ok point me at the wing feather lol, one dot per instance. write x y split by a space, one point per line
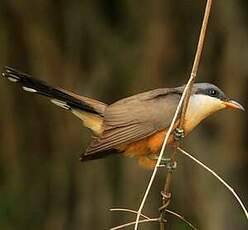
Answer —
113 138
132 119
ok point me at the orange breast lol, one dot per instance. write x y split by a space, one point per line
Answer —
148 145
147 148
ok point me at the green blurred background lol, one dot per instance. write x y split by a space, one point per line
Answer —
107 50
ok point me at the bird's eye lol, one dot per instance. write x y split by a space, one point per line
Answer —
212 92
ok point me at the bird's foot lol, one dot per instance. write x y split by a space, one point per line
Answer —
165 162
168 163
179 134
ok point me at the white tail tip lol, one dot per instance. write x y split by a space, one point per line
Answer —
61 104
29 89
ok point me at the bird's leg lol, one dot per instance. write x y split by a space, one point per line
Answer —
169 164
178 134
155 158
165 162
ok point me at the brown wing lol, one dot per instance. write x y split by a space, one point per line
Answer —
135 118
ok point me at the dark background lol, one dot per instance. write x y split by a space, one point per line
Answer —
107 50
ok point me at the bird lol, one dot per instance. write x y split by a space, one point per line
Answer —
134 126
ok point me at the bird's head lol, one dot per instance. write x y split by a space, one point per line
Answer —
205 100
213 97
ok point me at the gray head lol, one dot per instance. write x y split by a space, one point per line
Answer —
205 100
213 92
210 90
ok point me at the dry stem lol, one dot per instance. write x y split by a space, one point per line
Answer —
160 157
183 101
219 178
148 218
168 179
134 222
129 210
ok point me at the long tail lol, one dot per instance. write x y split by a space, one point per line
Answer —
89 110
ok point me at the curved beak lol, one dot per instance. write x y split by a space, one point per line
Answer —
231 104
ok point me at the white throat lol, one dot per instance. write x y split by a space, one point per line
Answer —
200 106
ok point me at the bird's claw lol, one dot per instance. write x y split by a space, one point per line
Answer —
171 165
167 162
179 134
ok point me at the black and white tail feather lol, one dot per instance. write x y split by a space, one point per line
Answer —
60 97
90 111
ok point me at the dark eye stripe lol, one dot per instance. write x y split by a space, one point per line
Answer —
210 90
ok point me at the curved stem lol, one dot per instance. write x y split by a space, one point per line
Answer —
219 178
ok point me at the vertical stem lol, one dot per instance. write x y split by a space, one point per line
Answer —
186 94
168 179
197 59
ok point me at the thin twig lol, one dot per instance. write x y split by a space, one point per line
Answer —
133 223
186 92
219 178
129 210
197 59
194 71
160 157
181 218
148 218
